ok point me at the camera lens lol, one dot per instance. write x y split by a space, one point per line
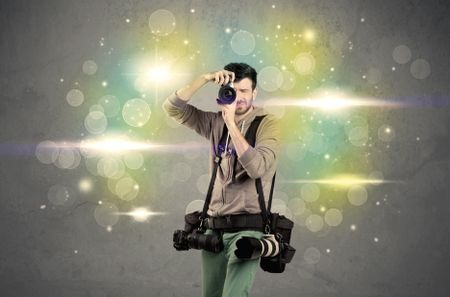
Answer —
227 95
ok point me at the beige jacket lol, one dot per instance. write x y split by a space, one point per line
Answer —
234 188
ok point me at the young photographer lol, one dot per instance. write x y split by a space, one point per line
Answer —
234 210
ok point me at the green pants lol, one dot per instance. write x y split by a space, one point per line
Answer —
223 274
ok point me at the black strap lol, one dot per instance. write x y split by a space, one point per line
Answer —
262 204
217 160
250 136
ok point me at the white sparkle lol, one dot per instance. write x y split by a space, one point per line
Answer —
375 239
362 20
353 227
192 10
127 20
75 251
104 83
43 206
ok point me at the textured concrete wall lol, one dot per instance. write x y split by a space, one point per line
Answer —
401 244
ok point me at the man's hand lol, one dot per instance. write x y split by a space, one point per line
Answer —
228 112
221 77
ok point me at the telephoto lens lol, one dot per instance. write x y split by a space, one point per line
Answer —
249 248
208 242
227 94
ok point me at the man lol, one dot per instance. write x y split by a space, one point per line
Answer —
234 193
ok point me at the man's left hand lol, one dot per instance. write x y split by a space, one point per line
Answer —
228 112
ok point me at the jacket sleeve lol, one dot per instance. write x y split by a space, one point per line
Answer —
182 112
257 160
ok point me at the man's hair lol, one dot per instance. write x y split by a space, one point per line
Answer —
241 71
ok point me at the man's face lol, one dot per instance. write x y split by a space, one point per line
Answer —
244 95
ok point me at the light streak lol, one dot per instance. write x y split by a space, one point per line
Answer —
342 181
119 146
140 214
332 102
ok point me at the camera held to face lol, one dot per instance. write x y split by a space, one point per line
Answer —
227 94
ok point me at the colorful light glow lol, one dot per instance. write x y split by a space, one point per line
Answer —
344 181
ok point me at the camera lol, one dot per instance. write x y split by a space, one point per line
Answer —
183 241
249 248
227 94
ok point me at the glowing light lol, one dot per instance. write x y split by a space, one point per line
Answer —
141 214
162 22
159 73
353 227
85 185
228 30
309 35
119 145
104 83
344 181
376 239
332 102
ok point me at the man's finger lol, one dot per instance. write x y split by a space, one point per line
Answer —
221 78
216 78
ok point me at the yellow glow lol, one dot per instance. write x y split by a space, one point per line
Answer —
158 73
141 214
309 35
85 185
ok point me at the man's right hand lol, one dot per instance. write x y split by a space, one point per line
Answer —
221 77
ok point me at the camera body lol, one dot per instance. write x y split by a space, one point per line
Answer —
197 239
227 94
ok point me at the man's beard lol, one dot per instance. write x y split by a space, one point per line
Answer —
241 112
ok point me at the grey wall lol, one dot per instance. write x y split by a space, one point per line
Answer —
62 251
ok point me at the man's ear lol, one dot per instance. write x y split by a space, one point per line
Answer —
255 92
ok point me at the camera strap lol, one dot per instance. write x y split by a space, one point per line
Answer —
250 136
217 160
